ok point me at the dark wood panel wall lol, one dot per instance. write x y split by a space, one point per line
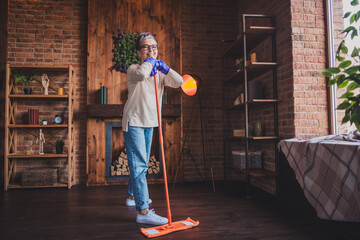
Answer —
105 18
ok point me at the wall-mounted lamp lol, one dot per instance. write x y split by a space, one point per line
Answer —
189 85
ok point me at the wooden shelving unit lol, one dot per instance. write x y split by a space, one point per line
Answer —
252 37
13 129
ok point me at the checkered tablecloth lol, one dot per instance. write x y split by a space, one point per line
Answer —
328 170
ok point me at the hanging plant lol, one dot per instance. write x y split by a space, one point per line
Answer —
124 51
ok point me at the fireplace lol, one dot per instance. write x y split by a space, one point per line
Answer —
116 158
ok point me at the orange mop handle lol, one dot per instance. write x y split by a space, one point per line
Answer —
162 152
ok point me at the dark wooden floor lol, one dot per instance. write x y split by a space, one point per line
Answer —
100 213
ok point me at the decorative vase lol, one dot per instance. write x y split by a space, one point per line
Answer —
258 129
253 57
60 91
27 90
59 149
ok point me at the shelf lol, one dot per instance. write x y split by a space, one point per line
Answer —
263 30
265 65
35 186
254 34
253 102
264 138
256 172
38 97
254 69
37 126
45 67
253 138
50 155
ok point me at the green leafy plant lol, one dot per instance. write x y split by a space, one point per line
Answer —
26 79
124 51
347 73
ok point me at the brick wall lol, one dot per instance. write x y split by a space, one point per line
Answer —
50 32
309 54
204 24
3 35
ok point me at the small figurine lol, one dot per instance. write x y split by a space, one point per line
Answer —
45 82
41 140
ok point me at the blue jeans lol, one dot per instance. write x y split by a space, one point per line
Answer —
138 145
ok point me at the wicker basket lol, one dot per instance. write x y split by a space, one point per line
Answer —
39 176
254 163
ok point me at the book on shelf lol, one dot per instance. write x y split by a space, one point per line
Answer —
33 116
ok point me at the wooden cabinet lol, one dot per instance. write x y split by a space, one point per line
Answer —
240 71
18 130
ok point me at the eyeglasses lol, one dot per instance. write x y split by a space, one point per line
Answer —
149 47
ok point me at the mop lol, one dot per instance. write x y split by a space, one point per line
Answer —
170 226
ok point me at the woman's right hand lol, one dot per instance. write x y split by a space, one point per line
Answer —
154 63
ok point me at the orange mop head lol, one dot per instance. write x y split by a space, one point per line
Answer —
171 226
167 228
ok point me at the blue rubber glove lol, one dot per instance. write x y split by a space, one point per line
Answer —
162 67
154 63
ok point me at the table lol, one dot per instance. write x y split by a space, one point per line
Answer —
327 169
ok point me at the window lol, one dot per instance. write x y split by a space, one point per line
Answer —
338 8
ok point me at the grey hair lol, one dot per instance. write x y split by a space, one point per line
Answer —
143 36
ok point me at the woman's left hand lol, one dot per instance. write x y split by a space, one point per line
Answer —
162 67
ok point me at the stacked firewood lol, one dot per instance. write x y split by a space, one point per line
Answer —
120 166
153 166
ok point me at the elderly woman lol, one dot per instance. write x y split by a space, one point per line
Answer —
139 119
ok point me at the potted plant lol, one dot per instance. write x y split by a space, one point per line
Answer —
26 79
347 73
44 122
59 146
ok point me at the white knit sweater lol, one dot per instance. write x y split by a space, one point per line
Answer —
140 107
